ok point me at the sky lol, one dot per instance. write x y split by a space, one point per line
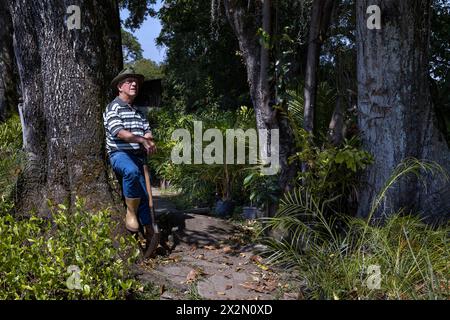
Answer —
147 34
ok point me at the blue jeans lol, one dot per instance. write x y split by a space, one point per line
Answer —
131 169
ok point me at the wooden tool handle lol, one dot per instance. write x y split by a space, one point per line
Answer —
149 187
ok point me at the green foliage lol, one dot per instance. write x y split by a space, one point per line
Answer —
148 68
330 170
131 47
11 134
139 11
264 190
37 254
202 55
11 156
332 253
439 64
410 167
413 258
265 39
325 103
199 182
149 291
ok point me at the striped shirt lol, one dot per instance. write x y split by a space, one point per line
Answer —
120 115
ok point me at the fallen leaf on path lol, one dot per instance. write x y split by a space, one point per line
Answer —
257 259
252 286
228 287
262 266
270 285
176 258
261 286
259 262
227 249
220 293
192 276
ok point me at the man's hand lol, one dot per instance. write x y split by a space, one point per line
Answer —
148 135
149 145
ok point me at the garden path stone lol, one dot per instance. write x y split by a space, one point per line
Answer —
209 262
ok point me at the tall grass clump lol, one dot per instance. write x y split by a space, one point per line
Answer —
342 257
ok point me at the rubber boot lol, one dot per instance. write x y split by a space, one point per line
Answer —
131 219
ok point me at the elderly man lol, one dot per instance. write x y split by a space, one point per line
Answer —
128 140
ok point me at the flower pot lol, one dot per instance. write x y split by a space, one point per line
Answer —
250 213
224 208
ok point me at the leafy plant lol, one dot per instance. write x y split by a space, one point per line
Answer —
332 253
71 256
199 182
331 170
11 156
264 190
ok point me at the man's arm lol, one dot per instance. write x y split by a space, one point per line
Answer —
127 136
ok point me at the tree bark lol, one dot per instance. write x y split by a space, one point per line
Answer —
336 127
65 77
320 21
8 90
395 113
245 24
245 20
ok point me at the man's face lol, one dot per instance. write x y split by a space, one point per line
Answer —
129 86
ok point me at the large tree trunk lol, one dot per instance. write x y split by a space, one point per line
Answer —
245 23
65 76
8 90
395 113
245 18
320 21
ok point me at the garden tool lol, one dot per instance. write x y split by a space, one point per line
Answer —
152 231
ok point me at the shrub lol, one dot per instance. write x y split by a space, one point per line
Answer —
11 156
199 182
71 256
333 253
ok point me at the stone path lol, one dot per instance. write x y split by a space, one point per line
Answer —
211 260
